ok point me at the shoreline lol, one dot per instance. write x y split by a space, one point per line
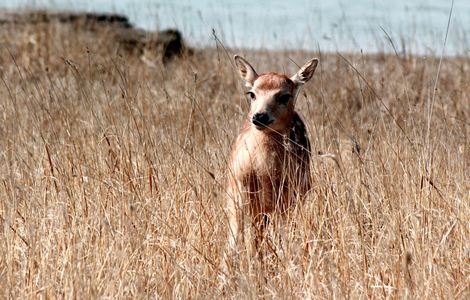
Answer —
85 20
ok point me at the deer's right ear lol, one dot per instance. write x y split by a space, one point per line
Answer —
246 71
305 73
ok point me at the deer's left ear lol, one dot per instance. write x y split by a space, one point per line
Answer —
306 72
245 70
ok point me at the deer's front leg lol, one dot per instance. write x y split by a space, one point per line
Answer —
235 225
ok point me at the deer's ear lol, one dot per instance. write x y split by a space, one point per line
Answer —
245 70
306 72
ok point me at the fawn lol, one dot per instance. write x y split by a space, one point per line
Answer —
270 159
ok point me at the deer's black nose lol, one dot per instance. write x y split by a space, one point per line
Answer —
261 119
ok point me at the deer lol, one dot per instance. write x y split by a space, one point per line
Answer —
269 165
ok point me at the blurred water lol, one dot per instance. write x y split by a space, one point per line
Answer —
416 25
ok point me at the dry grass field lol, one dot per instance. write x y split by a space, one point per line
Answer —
113 171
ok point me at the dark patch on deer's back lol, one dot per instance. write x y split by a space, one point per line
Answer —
298 136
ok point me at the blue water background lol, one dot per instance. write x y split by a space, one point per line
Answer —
416 26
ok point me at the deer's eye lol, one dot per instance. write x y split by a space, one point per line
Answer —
251 95
283 99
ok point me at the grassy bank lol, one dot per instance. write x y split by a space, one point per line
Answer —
113 169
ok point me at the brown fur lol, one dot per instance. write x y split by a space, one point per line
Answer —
274 81
269 168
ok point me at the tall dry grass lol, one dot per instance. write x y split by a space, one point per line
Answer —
112 174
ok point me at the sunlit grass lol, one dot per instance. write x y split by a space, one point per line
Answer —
113 174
